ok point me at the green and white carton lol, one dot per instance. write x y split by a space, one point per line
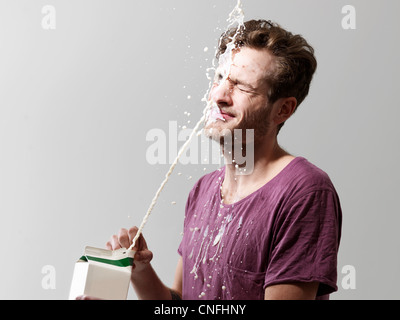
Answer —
103 274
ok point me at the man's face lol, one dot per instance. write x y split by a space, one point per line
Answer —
241 96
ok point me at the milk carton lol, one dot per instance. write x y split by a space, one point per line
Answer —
103 274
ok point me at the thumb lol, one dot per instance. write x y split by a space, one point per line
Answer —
144 256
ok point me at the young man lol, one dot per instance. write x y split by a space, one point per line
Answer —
271 234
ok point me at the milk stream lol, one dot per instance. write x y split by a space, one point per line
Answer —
210 112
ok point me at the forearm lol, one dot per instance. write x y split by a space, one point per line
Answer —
292 291
148 285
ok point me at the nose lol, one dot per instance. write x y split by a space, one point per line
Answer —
221 94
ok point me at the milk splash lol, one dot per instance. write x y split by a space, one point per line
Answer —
225 61
210 112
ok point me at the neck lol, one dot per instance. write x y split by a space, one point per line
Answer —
269 160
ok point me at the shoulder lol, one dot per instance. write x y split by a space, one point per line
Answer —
303 175
309 198
299 179
310 192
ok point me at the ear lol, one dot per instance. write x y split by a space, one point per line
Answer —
285 107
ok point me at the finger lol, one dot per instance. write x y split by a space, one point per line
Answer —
140 244
85 297
115 243
143 243
108 245
123 238
132 234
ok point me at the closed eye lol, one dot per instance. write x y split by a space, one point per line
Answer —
242 86
244 89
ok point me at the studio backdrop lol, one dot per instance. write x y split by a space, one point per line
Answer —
96 97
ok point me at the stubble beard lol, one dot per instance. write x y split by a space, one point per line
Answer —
257 121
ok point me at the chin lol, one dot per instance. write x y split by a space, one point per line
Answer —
219 129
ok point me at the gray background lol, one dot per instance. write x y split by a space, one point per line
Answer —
76 104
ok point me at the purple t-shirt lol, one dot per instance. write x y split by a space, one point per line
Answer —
286 231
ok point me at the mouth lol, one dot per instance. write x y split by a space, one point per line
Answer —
226 115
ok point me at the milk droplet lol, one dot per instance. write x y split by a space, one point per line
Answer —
223 287
173 202
205 49
189 97
202 294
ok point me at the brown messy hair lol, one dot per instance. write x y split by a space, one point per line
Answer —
294 58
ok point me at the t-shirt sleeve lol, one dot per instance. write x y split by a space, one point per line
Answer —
306 241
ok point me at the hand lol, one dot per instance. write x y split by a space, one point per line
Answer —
123 239
85 297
